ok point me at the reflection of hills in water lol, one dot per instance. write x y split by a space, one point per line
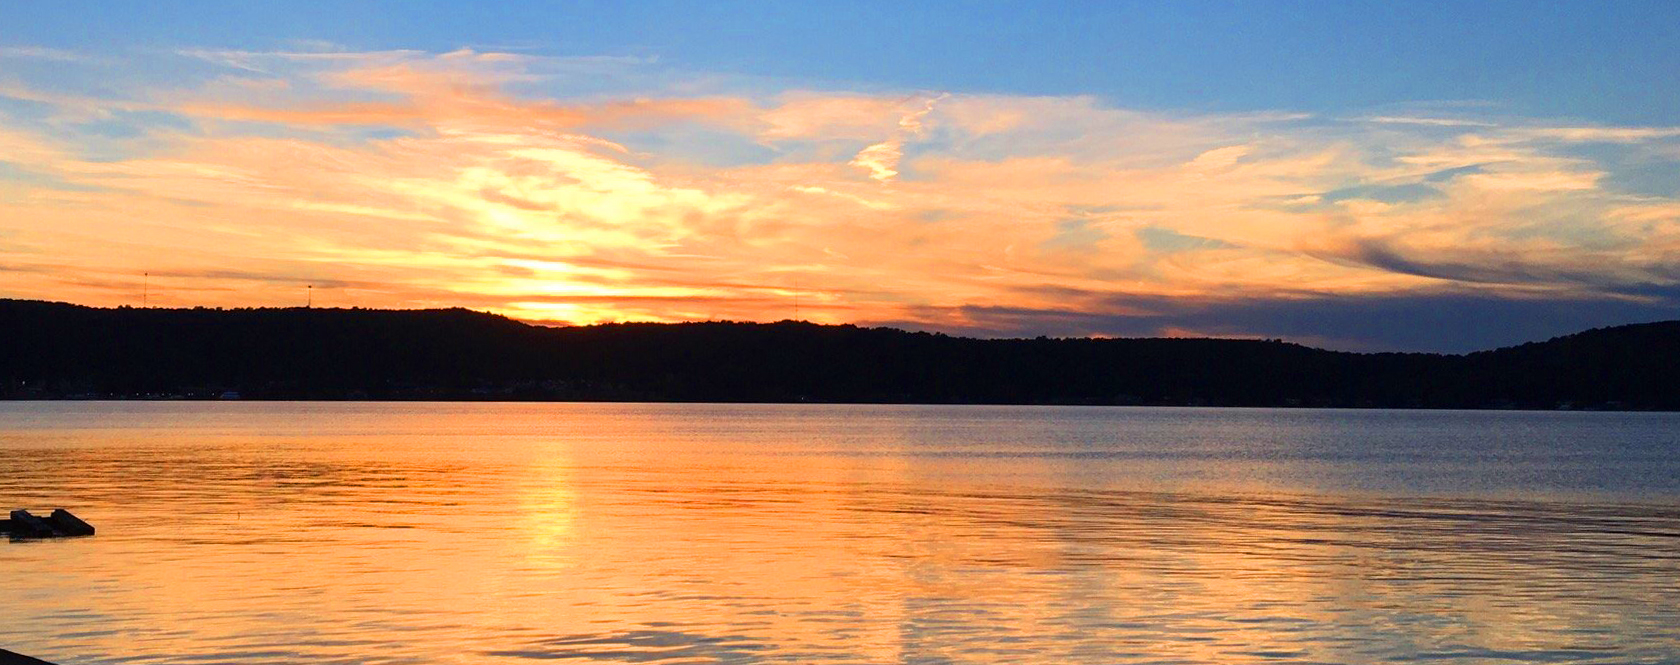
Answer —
57 350
323 532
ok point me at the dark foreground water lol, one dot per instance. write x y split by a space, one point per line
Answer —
605 533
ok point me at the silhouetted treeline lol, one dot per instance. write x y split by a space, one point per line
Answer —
55 350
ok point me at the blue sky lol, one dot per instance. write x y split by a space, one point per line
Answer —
1416 175
1614 62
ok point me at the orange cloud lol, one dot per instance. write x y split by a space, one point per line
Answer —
564 210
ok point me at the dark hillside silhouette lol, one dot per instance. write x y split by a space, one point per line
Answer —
56 350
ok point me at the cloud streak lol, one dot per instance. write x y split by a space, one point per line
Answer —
407 179
880 160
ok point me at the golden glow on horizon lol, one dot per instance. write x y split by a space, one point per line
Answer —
928 209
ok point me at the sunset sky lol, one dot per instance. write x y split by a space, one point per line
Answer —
1357 175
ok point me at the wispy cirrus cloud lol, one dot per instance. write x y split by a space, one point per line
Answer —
1427 121
880 160
47 54
402 178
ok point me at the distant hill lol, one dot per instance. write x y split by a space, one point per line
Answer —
57 350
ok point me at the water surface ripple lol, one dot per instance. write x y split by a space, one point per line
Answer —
618 533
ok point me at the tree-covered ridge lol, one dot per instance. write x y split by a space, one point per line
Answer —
56 350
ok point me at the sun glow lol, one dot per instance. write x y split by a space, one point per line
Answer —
954 211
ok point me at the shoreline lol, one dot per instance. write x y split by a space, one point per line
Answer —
488 400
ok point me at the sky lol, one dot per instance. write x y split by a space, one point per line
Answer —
1355 175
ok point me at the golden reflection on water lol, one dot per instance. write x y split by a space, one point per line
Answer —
358 533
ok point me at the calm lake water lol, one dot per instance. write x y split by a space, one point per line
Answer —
618 533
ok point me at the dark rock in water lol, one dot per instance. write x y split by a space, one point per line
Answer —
25 525
68 524
9 658
57 525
